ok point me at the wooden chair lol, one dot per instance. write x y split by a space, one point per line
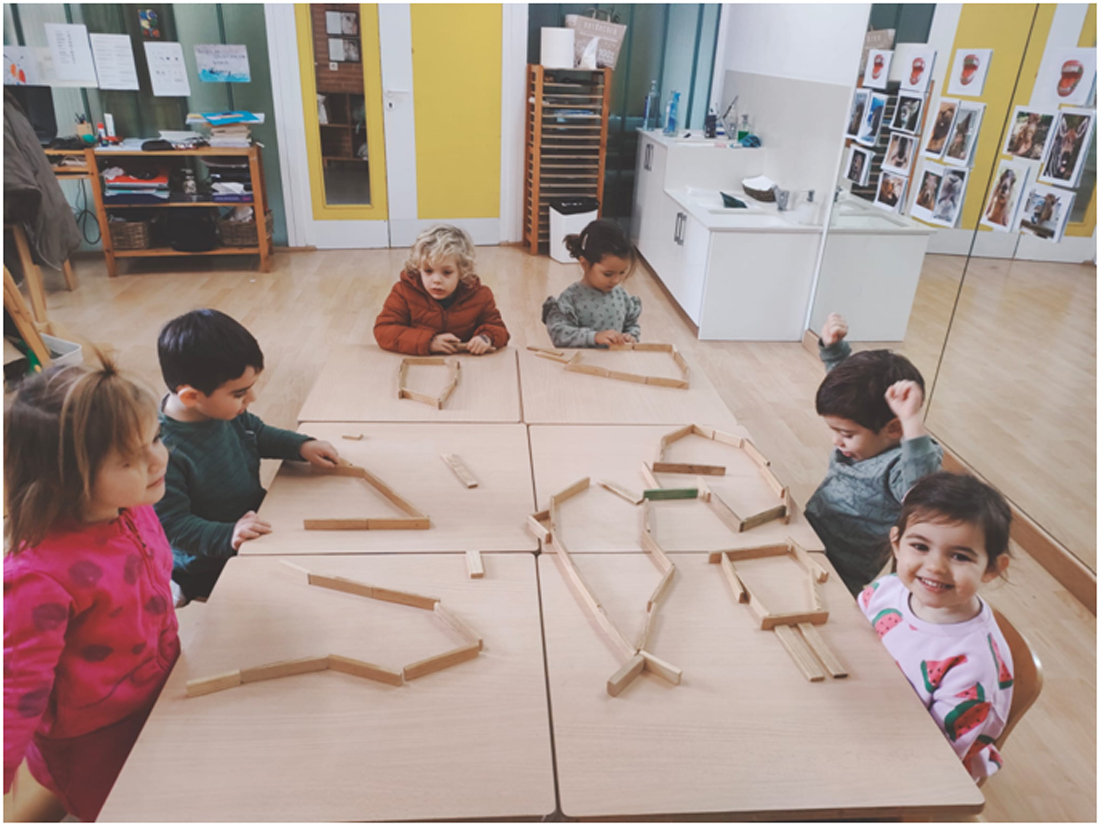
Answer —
1027 676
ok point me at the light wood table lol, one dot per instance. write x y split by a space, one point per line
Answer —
744 734
490 517
600 521
471 741
359 384
553 396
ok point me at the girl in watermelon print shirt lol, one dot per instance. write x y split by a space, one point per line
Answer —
951 538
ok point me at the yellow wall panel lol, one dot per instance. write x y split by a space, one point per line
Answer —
456 93
1087 227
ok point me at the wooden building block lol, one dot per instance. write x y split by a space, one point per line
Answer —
670 493
430 665
340 470
705 492
551 357
336 524
790 506
474 565
457 625
297 568
545 350
659 591
576 366
762 518
674 436
800 653
647 474
728 439
536 525
460 470
399 523
758 608
339 583
703 430
773 481
208 685
423 398
618 375
815 568
356 437
625 675
758 457
821 648
661 668
724 512
643 640
734 581
571 491
286 668
661 381
621 492
368 671
696 470
770 621
405 598
737 554
596 610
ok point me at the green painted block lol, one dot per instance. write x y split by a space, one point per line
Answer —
671 493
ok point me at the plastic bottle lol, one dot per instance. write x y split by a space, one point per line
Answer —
671 115
710 123
652 102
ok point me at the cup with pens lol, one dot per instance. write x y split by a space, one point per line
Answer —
84 129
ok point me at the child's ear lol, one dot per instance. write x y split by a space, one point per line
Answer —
188 395
895 537
996 569
893 429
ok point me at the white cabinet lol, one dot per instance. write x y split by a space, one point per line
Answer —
649 190
681 260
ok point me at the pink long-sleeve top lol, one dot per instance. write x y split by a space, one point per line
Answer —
90 636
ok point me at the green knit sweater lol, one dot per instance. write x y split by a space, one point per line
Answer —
213 480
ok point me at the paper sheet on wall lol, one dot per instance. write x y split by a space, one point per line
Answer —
114 61
21 67
167 69
72 55
222 63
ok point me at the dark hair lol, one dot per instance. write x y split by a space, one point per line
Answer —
601 237
856 388
59 428
950 497
205 349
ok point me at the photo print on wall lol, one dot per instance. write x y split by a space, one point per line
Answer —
941 128
968 72
907 113
1044 212
859 165
1004 195
891 191
872 119
964 134
877 71
917 64
1068 147
855 116
1066 76
1028 132
927 190
949 199
899 153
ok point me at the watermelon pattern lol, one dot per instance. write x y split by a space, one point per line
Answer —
1004 676
868 592
975 692
965 717
885 621
934 671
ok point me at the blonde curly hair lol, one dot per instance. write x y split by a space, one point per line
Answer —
439 242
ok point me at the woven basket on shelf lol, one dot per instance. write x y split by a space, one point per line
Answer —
131 235
243 233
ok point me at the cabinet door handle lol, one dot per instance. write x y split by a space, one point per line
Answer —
676 230
681 225
648 163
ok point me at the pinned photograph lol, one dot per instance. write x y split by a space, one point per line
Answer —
1004 195
968 72
877 71
1044 212
1028 132
899 153
1066 77
949 199
927 191
1068 147
917 69
859 165
855 116
891 191
907 113
941 128
964 134
872 119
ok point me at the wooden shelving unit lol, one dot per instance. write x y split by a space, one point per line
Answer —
265 247
566 143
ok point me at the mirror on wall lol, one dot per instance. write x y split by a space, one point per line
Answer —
962 235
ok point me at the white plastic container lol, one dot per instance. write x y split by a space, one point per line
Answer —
562 225
557 48
63 353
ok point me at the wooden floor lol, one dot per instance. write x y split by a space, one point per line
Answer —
315 301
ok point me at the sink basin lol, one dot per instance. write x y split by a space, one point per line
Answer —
749 219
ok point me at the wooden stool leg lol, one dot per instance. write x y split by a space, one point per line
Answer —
70 275
31 274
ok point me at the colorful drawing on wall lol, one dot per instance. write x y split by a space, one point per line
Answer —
891 191
1066 76
907 113
1005 192
968 72
941 127
917 70
218 63
20 66
150 24
877 71
949 198
1044 212
927 190
859 165
872 119
1068 147
964 134
899 153
1028 133
855 116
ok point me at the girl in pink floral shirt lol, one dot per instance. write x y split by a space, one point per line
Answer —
90 631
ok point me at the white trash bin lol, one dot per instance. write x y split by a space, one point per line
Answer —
568 216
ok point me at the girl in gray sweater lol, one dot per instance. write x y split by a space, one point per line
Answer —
596 311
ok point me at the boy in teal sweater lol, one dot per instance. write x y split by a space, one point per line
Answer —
872 402
212 487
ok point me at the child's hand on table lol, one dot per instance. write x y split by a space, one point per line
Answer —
445 343
606 337
479 345
629 339
319 453
834 330
249 526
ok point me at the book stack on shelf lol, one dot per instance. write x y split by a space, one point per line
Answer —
135 187
228 129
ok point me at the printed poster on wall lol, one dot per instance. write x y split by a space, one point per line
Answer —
907 113
218 63
114 61
1068 147
941 128
950 197
1066 76
859 165
21 67
964 134
915 67
872 119
1005 193
1045 211
855 116
1028 132
167 69
968 72
877 72
899 153
72 54
927 189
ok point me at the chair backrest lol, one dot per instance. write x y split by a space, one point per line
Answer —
1027 675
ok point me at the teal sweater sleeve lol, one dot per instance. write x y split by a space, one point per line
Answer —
920 457
185 530
274 442
834 354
